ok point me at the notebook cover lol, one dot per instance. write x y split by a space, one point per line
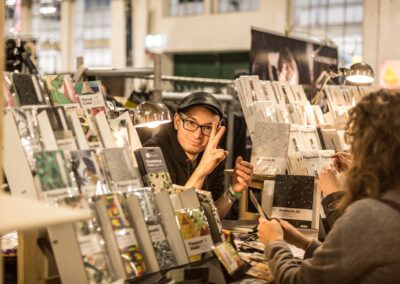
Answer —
124 235
89 129
26 90
293 199
195 232
25 120
153 169
53 174
90 96
120 169
162 249
62 130
60 89
91 244
87 171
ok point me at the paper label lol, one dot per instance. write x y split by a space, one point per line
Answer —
226 257
91 101
292 213
198 245
66 145
126 185
156 233
56 193
125 238
89 244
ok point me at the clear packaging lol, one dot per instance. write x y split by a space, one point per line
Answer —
127 260
62 131
91 97
195 232
91 243
10 98
60 89
88 175
119 169
55 178
26 122
161 246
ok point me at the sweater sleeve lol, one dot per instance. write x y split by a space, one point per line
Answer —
329 204
348 253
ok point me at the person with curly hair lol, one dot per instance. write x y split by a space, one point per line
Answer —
364 243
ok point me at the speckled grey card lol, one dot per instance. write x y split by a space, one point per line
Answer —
119 164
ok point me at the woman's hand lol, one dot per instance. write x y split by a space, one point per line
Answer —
294 236
269 231
329 181
341 161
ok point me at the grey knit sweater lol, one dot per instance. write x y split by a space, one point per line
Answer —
362 247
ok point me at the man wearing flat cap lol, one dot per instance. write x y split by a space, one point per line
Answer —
190 148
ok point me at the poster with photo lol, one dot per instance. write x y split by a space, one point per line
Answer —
276 57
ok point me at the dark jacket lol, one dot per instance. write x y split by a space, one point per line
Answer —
179 166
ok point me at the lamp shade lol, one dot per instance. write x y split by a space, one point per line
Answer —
151 114
360 73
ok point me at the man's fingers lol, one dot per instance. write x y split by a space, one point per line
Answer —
241 174
218 137
242 182
246 164
213 132
244 169
238 160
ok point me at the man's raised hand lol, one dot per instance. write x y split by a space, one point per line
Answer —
213 155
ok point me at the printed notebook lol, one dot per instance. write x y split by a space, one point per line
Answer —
161 247
123 249
59 124
54 177
25 120
87 171
153 169
195 232
121 172
60 89
296 201
91 244
27 88
90 96
270 148
212 215
89 129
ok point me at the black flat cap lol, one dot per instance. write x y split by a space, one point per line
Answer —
203 99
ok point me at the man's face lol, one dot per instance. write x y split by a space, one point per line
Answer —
193 142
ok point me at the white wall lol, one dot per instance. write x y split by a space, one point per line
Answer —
216 32
381 32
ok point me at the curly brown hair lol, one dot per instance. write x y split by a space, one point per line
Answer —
373 131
